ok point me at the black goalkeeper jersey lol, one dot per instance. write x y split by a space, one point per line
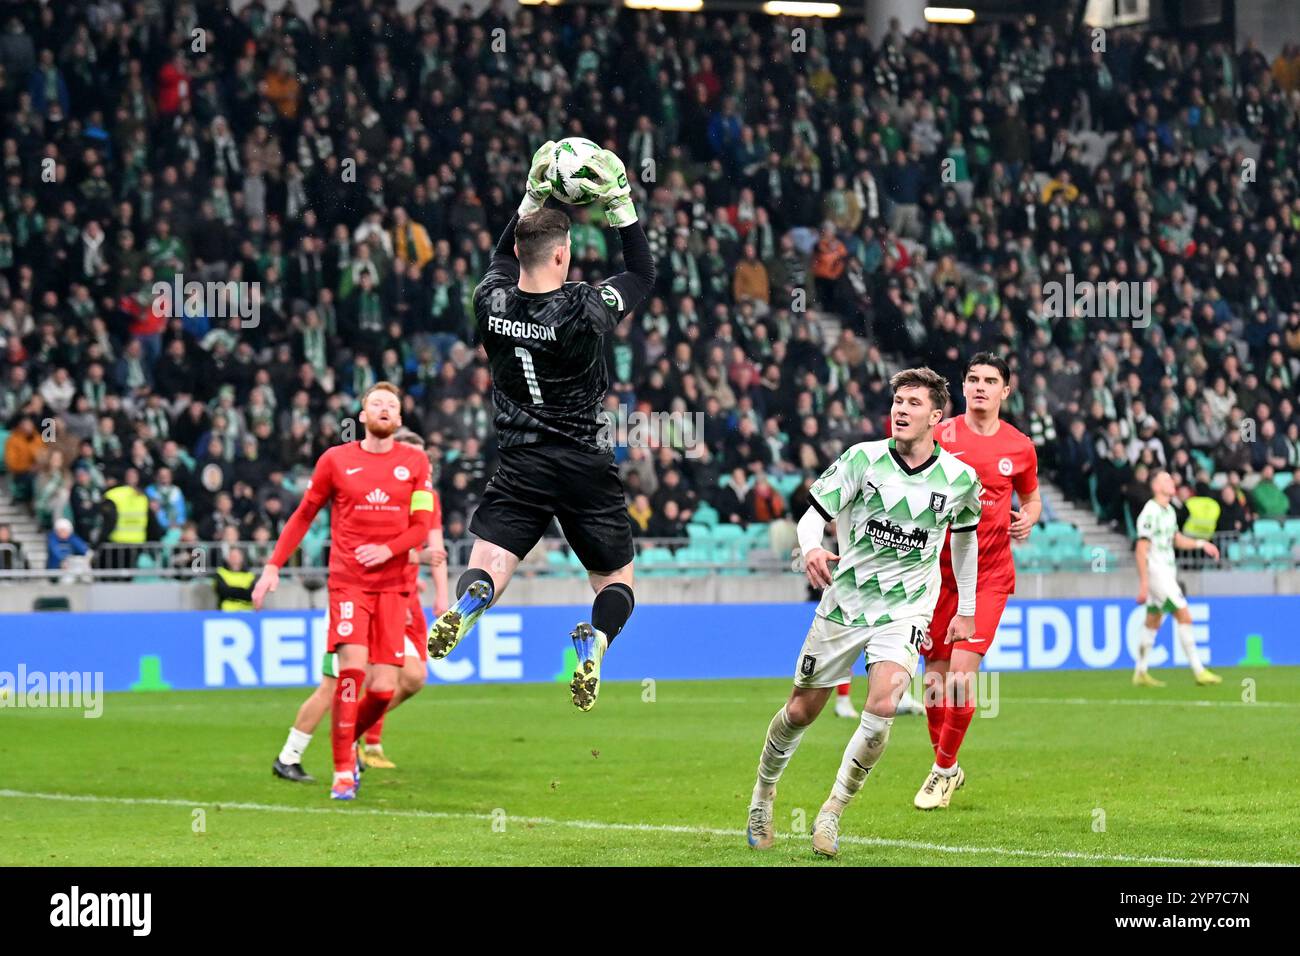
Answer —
546 349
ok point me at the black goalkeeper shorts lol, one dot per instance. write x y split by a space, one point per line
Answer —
535 483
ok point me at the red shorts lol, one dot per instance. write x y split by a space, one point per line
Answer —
988 612
376 619
417 629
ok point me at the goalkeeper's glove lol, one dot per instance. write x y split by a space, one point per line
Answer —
539 180
612 190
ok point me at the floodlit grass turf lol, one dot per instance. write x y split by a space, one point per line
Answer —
1172 779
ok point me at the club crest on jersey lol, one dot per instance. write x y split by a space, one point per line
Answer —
937 501
1004 466
401 473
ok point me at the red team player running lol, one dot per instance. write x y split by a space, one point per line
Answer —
381 502
1005 460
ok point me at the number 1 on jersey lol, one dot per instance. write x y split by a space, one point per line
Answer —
530 374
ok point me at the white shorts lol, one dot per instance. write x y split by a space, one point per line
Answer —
1164 594
830 649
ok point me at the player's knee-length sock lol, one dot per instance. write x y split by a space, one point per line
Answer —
1184 632
842 690
343 718
375 732
782 739
294 746
371 709
1145 643
936 714
956 721
864 749
611 609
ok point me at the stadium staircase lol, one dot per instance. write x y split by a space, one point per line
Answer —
25 530
1057 508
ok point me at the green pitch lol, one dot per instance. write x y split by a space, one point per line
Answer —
1076 768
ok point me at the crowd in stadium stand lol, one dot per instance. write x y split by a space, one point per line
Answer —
825 208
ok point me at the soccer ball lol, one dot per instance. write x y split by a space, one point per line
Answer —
571 174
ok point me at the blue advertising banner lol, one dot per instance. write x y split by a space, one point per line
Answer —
198 649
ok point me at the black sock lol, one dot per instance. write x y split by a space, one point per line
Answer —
611 609
469 577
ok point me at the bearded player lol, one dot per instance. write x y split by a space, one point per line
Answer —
288 765
381 502
1006 461
545 341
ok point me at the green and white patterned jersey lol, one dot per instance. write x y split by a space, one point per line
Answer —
891 521
1159 525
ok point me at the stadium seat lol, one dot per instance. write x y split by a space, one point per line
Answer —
1267 529
4 437
787 484
1291 527
1283 480
700 555
705 514
700 534
656 562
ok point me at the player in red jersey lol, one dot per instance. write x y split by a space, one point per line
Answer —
288 765
1005 460
381 503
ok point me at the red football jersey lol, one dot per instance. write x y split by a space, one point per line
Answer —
371 498
1004 461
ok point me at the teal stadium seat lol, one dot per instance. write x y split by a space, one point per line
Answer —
656 562
705 514
700 534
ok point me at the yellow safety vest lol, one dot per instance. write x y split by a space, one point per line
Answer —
236 579
132 515
1202 517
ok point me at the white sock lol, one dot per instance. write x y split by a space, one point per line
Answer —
782 739
1144 648
864 749
294 746
945 771
1184 632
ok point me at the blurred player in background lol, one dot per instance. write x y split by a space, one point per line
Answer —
544 339
1006 461
381 505
1158 587
288 765
891 502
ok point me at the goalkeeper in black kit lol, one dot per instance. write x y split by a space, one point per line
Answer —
545 342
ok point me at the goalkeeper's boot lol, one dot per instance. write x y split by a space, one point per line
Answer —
291 771
1207 677
590 645
826 834
844 707
937 790
372 756
343 790
1143 679
760 833
910 705
459 619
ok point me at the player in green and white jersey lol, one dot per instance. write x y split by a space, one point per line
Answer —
1158 588
891 502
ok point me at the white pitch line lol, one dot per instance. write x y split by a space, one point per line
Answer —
1070 855
1142 702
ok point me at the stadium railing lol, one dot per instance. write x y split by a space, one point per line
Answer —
1271 545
